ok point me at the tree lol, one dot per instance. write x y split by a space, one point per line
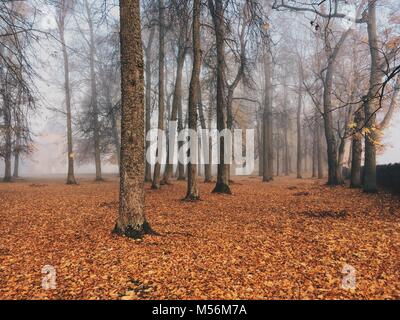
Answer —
370 104
161 93
62 10
131 220
267 130
93 90
181 10
217 12
194 98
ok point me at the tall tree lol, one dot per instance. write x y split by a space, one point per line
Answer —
370 105
93 89
267 130
161 93
217 12
62 10
194 98
131 220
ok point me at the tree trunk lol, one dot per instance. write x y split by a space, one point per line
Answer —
67 88
268 154
217 13
176 106
8 136
194 98
315 148
94 98
131 221
357 151
370 105
161 93
320 150
148 53
208 167
206 152
298 118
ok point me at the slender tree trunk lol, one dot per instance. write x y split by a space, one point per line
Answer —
17 146
320 153
315 148
208 167
148 53
161 92
194 98
131 221
370 105
176 106
8 137
116 138
357 151
94 98
299 133
286 143
67 88
260 143
268 154
278 155
16 160
217 13
206 152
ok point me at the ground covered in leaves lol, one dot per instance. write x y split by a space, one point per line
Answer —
289 239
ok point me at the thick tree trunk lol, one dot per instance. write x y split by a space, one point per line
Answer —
161 93
131 221
194 98
370 105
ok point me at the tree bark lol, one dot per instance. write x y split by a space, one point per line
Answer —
61 29
161 92
355 181
217 13
176 105
94 97
131 220
371 103
268 154
298 120
148 53
194 98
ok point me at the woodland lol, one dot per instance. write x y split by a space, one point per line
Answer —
199 149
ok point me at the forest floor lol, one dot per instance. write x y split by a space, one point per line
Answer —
289 239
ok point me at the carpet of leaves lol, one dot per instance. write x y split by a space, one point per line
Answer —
285 240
